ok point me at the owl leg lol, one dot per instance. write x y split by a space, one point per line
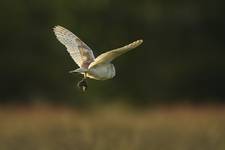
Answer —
85 75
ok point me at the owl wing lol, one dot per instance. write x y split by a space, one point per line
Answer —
111 55
77 49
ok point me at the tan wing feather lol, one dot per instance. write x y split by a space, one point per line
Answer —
77 49
111 55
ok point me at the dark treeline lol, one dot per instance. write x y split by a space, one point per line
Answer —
182 57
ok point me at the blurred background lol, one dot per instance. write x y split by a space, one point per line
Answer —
170 86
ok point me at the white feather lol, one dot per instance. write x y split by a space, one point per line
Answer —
99 68
77 49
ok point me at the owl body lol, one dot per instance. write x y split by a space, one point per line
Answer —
99 68
102 71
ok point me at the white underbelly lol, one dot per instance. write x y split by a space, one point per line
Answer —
102 72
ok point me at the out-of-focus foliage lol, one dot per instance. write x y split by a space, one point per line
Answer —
112 128
182 56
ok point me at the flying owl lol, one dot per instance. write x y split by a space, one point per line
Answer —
99 68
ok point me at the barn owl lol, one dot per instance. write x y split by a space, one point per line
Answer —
99 68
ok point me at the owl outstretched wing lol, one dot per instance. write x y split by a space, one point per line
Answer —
77 49
111 55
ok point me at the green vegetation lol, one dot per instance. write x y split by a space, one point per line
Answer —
182 56
110 128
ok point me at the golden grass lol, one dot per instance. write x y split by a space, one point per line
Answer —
112 128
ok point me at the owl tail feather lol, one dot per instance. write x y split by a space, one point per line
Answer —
79 70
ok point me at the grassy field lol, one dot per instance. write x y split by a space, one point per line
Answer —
112 128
